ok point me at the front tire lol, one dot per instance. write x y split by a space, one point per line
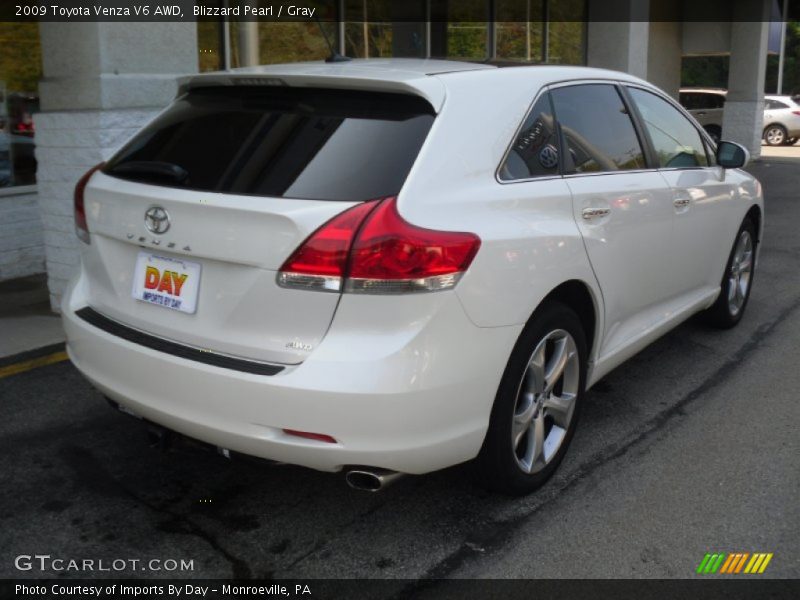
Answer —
537 404
775 135
737 281
790 141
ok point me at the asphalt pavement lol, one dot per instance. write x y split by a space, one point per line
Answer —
691 447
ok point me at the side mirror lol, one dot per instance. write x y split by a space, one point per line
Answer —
731 155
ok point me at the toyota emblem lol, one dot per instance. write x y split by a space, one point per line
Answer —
156 219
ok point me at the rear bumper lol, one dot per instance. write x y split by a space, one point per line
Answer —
411 391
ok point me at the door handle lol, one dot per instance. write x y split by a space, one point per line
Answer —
594 213
700 113
681 202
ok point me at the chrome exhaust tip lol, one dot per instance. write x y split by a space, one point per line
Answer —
371 480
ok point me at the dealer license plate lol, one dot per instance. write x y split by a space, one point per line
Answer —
168 282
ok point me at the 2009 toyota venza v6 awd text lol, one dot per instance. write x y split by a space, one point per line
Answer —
394 266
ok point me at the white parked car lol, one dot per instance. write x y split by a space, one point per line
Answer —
781 120
781 114
394 266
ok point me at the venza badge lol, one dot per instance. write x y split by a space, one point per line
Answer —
156 219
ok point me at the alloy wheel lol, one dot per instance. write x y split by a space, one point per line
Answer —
546 400
740 272
775 136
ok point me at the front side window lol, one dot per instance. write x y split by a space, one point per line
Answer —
535 150
597 128
676 141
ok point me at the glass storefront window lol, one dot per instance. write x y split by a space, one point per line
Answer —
566 39
520 30
520 41
384 29
466 40
209 54
541 31
20 71
532 31
294 41
368 40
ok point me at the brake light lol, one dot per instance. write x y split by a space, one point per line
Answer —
319 263
81 226
372 249
391 255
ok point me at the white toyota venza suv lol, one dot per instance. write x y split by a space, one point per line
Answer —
394 266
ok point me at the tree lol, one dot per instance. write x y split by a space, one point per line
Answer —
21 56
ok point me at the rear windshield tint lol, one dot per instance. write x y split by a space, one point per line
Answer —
304 143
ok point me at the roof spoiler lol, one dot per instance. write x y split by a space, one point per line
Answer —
429 88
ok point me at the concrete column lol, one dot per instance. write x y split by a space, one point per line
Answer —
249 51
743 119
665 46
102 82
617 43
664 56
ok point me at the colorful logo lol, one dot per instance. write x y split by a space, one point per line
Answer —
168 282
734 563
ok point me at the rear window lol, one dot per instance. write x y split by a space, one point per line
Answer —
317 144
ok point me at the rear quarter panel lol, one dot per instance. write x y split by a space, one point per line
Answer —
529 240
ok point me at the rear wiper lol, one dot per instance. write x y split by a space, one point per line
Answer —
151 170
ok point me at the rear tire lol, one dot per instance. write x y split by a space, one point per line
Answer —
537 405
790 141
775 135
737 281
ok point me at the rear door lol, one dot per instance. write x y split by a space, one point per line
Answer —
622 209
191 220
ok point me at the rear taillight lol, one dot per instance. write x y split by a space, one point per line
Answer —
796 112
81 226
320 262
371 249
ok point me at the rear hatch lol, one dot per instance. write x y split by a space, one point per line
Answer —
190 221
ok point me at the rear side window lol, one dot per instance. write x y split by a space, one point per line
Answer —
534 152
702 100
775 104
717 101
676 141
597 128
318 144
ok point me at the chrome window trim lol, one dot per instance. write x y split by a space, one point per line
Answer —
692 121
620 172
